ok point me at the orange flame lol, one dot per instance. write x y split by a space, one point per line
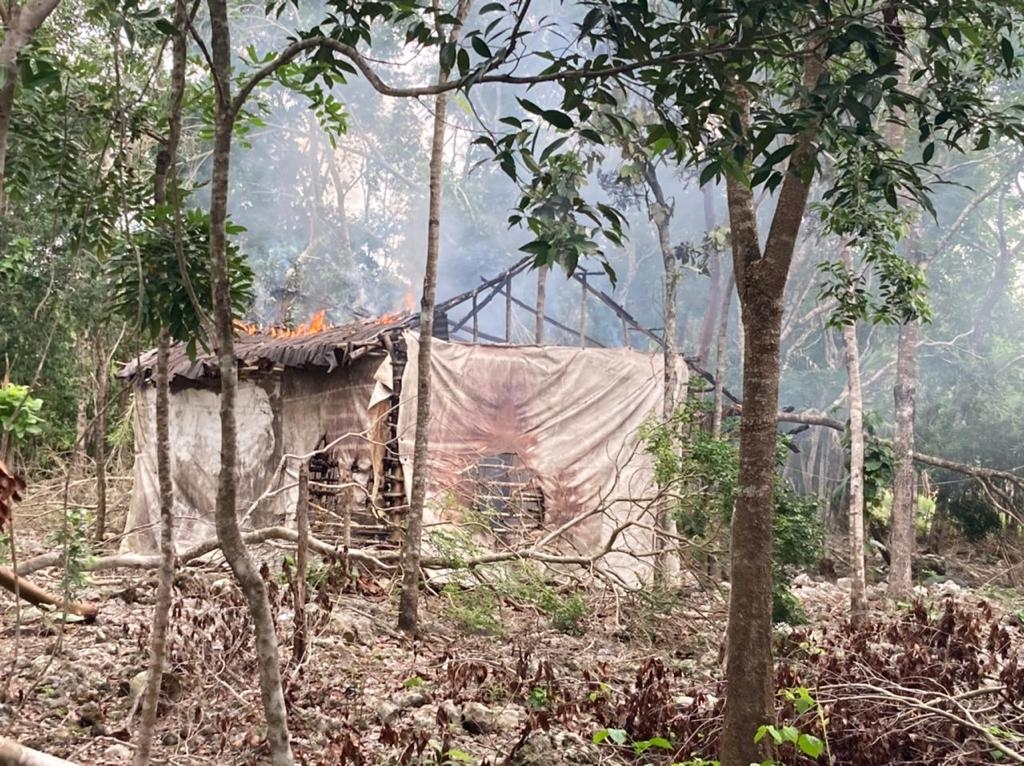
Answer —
410 300
317 323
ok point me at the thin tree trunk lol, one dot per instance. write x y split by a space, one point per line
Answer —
301 556
858 585
228 532
720 357
165 167
708 324
100 436
661 214
22 23
162 609
761 285
1001 278
75 468
408 604
901 529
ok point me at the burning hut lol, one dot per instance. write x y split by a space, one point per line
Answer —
528 438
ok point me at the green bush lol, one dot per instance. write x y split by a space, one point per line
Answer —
701 472
972 514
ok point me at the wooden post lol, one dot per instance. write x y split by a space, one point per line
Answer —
542 278
625 331
476 321
508 308
346 510
301 556
583 310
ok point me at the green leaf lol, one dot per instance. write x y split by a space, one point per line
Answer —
711 170
644 745
810 745
481 47
560 120
447 56
165 27
1006 49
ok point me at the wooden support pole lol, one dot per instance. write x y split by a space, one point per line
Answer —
583 310
625 333
551 321
476 321
301 562
542 278
508 308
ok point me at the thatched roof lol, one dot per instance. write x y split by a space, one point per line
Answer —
326 349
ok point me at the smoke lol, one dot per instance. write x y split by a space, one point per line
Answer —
342 226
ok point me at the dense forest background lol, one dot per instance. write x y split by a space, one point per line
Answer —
335 219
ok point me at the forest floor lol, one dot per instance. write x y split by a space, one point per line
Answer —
493 680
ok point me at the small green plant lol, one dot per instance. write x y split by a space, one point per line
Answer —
621 738
74 538
476 609
807 744
701 473
442 754
19 413
567 613
538 698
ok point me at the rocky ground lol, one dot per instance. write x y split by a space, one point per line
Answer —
488 682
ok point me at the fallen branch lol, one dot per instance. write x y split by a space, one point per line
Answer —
385 560
14 754
35 595
978 472
152 560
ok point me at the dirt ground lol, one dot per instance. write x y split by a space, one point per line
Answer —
487 682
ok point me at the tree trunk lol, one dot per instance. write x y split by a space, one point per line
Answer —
408 604
99 435
299 636
78 451
228 532
715 267
718 397
165 168
858 585
901 530
1001 278
162 609
661 215
761 285
22 23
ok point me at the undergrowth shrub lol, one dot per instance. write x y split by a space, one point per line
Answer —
478 607
700 473
969 510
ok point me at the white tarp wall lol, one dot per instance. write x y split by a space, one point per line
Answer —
277 415
195 461
572 417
